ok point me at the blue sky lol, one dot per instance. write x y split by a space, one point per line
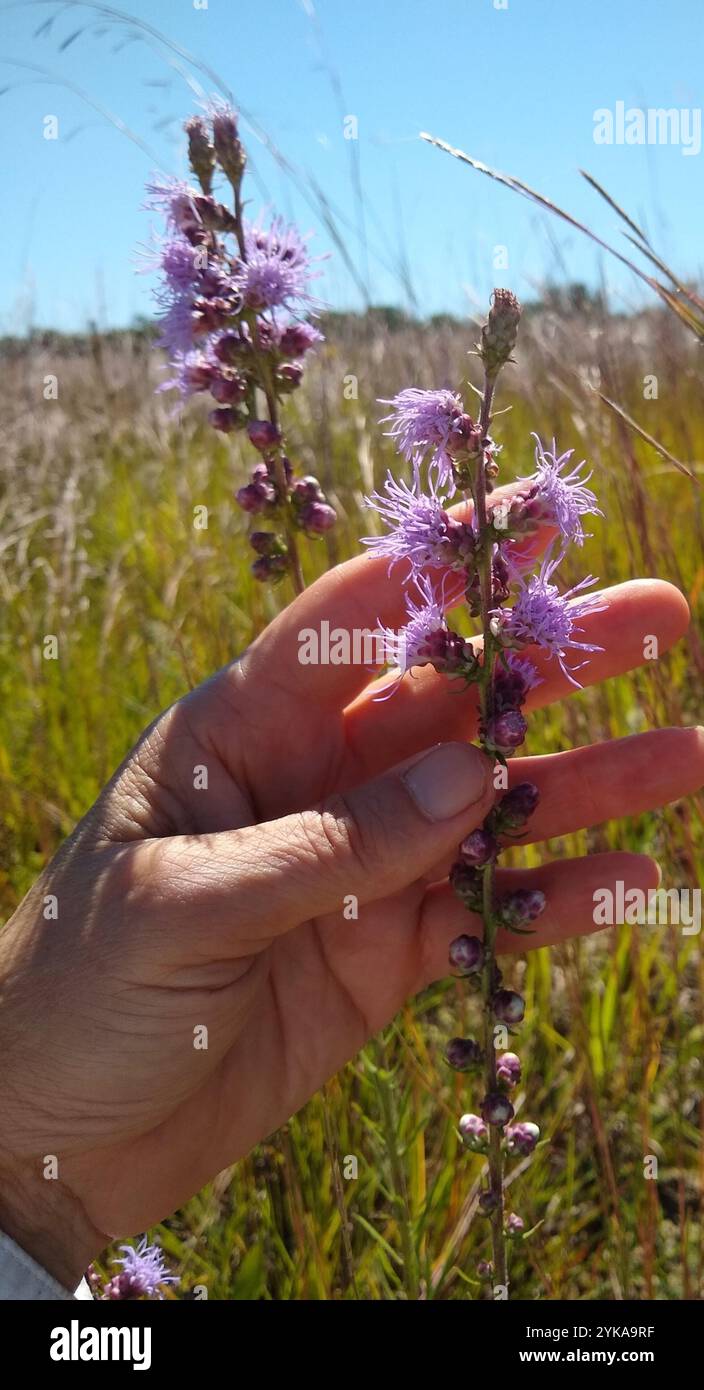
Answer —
517 87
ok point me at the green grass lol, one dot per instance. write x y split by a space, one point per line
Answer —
98 547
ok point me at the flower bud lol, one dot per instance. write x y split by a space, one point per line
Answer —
516 806
298 338
466 954
231 349
463 1053
508 1006
508 1069
198 375
522 1138
515 1225
497 1109
263 435
228 389
474 1133
515 910
307 489
264 542
226 419
485 1269
488 1202
201 155
506 732
467 883
255 497
317 517
228 146
500 331
288 376
270 567
478 848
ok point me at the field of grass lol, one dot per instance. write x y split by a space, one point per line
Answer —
98 547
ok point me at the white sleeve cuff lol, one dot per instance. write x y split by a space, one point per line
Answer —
22 1278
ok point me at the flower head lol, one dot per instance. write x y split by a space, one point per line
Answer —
412 645
143 1272
421 425
565 496
419 527
544 617
276 270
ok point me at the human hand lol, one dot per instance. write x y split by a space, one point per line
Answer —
180 907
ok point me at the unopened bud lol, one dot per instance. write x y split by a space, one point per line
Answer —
500 331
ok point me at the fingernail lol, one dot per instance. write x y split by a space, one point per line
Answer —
448 779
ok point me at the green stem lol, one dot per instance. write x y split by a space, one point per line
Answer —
486 688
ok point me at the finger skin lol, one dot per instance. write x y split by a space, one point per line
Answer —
427 705
604 781
569 886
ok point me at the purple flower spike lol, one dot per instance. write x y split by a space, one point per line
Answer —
463 1053
497 1109
466 954
509 1007
143 1273
474 1133
416 643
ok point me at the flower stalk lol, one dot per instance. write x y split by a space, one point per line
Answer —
489 551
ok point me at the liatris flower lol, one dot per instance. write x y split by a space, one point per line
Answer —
234 296
541 616
421 425
275 271
565 497
516 609
420 530
143 1273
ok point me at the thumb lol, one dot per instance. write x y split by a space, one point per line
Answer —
370 842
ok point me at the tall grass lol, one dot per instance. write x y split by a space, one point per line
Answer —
98 547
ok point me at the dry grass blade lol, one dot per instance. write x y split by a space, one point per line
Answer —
648 438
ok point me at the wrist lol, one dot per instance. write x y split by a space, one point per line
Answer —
46 1220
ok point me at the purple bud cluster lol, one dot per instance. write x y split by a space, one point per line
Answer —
235 304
